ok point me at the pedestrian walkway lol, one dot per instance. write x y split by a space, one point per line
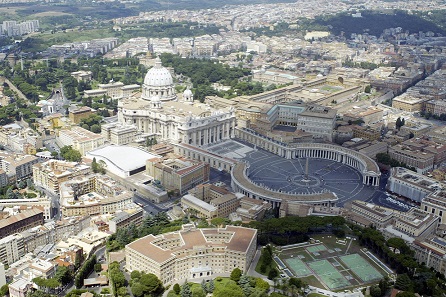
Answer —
357 293
252 268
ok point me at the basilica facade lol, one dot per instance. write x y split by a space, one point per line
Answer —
171 118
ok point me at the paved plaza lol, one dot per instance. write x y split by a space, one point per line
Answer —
290 175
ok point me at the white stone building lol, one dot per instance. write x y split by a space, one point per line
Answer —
159 112
192 253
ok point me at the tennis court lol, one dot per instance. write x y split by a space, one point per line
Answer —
329 275
298 267
363 269
316 248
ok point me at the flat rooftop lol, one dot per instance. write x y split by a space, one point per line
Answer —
124 157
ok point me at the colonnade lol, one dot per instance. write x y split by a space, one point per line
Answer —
242 184
206 135
364 164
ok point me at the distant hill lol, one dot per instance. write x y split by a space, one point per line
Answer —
374 23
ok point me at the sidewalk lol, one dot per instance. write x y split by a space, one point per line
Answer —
252 268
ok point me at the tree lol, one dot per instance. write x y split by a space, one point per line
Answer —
185 290
375 291
135 274
4 290
122 291
95 128
198 292
211 286
236 274
10 193
97 267
368 89
262 285
384 285
63 275
219 222
403 282
398 123
94 166
177 289
70 154
273 273
22 184
151 283
137 289
230 289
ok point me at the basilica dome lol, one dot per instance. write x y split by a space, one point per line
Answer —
158 82
158 76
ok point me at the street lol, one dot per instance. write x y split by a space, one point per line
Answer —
381 197
149 207
55 206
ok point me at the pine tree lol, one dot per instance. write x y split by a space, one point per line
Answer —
398 123
185 290
204 286
211 286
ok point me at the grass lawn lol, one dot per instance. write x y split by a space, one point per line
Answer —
72 36
316 295
312 281
218 282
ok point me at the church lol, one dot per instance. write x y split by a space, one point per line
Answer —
159 112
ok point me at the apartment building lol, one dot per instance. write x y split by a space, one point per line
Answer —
368 133
198 207
416 222
252 209
432 252
178 173
17 166
408 103
119 134
125 218
80 139
11 249
78 114
20 288
208 192
422 161
43 203
226 204
52 173
20 222
410 184
115 90
435 203
368 214
92 195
